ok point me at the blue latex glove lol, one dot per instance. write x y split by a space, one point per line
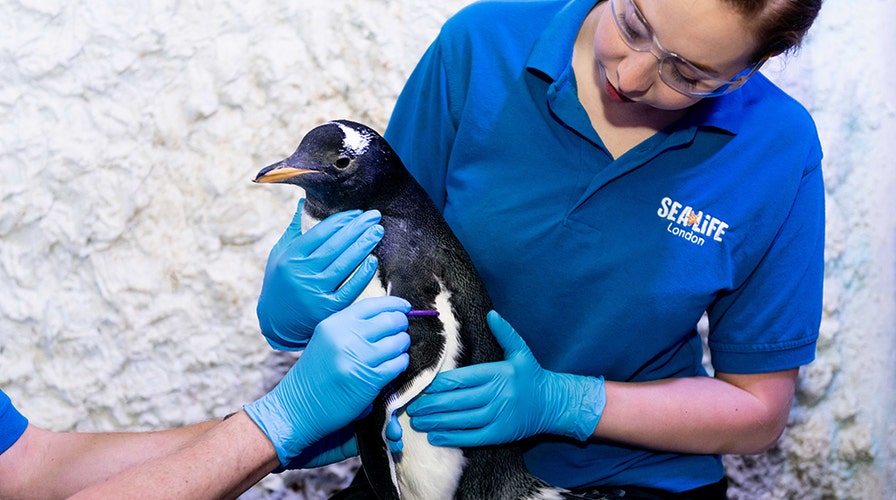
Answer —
342 445
305 277
352 355
505 401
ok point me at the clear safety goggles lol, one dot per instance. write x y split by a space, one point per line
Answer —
675 71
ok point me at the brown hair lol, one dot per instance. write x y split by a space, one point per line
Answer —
779 25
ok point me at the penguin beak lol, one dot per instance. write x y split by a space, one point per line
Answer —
279 172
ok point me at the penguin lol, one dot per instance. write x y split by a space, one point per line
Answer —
345 165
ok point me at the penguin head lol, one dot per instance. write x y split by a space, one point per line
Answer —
341 164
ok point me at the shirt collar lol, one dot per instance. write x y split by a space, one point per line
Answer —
552 52
724 112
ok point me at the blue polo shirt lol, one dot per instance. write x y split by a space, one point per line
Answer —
12 423
605 266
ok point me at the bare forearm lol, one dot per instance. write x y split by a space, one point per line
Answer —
76 460
699 414
221 463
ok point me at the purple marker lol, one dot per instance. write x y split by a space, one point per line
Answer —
419 313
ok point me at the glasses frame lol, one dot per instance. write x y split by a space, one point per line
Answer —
663 57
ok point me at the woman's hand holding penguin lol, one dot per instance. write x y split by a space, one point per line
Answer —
505 401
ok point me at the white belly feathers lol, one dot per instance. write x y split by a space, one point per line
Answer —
424 471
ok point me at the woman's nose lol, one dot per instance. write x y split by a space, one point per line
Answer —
637 72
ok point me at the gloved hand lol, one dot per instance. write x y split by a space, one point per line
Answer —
305 278
341 445
352 355
505 401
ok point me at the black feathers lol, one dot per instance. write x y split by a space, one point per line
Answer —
344 165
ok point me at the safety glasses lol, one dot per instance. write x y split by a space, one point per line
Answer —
675 71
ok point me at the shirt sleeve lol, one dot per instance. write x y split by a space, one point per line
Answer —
422 127
12 423
771 321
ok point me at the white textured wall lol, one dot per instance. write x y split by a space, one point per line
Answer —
132 242
840 440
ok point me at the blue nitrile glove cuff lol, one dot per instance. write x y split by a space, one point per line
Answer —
579 410
339 446
333 448
288 440
278 341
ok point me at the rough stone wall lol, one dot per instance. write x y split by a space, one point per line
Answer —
132 243
839 443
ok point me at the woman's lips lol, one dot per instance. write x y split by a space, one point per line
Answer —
614 94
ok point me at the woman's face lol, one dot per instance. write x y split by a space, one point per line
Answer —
706 33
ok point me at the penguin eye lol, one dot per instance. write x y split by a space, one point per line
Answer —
343 162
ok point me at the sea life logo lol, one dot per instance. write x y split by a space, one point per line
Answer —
690 224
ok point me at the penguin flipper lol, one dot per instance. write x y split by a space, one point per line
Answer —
376 459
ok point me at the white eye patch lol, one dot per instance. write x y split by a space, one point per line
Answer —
355 142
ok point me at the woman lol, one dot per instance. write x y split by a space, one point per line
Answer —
616 170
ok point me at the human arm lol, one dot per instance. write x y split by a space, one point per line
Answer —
727 414
76 459
220 463
354 353
516 398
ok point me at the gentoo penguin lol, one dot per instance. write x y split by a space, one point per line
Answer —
344 165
